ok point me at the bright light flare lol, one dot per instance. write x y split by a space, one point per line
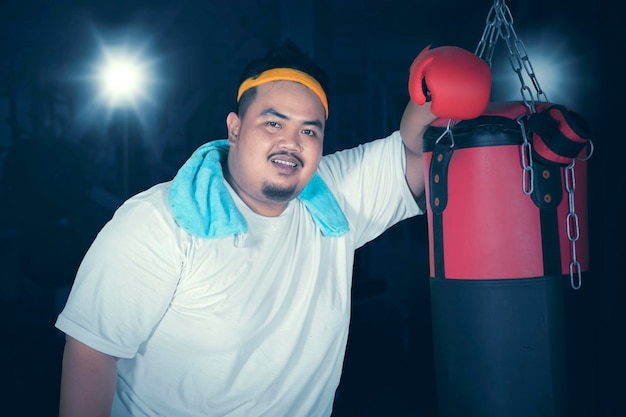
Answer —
123 79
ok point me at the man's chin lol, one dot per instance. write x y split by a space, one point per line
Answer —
280 194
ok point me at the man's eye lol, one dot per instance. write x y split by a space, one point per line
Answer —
272 124
308 132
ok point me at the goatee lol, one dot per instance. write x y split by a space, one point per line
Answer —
279 194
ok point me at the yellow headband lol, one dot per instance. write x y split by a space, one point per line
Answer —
285 74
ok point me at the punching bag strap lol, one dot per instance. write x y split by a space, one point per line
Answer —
547 185
438 184
559 135
547 195
438 181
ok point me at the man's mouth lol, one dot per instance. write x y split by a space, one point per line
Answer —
285 161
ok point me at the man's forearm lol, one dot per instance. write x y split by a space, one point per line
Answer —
415 121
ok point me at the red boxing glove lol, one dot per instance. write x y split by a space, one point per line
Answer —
456 81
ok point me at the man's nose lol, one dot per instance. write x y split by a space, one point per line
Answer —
291 141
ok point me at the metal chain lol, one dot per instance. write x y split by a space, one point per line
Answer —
500 25
528 179
573 227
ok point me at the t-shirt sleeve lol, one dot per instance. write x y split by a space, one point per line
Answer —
126 279
370 185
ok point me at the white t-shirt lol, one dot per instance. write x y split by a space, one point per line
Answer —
247 325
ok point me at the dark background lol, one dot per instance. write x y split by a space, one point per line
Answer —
62 153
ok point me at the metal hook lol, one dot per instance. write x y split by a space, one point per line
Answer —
447 131
591 149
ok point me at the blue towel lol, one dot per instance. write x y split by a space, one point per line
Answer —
202 205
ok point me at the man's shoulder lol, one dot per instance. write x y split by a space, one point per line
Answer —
156 194
148 205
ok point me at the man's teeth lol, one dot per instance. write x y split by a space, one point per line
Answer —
278 161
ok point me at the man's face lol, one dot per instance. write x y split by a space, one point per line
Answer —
276 148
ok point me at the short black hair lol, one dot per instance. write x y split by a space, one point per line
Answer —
286 55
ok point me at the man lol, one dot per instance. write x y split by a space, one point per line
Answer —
226 291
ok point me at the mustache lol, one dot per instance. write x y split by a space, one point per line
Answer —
287 153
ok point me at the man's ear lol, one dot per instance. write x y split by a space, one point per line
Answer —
233 123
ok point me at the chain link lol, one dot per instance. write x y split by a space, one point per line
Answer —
528 179
573 227
499 25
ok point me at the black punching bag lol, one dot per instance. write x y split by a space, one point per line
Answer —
506 228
